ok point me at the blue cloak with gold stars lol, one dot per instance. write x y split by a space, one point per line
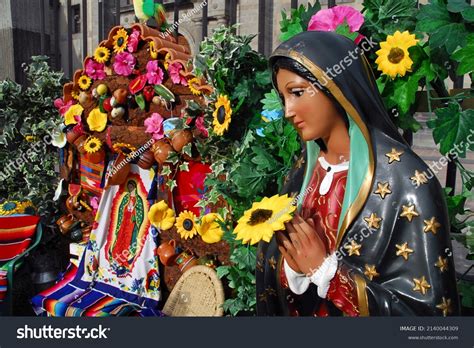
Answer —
393 232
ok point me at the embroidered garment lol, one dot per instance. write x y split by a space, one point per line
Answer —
118 272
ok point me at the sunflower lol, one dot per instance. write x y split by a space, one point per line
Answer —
9 208
97 120
161 216
153 51
30 138
123 148
185 225
92 145
120 41
222 115
84 82
265 217
393 57
192 84
209 229
102 54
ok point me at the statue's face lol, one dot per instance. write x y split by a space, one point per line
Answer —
130 187
310 111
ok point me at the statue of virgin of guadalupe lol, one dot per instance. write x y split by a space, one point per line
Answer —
371 233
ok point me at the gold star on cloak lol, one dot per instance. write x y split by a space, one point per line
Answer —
445 306
353 248
431 225
409 212
272 262
421 285
404 250
383 189
419 178
373 221
371 272
394 155
442 264
299 162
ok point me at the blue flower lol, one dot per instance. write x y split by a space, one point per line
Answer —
271 115
259 132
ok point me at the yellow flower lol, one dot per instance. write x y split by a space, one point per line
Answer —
102 54
75 110
167 60
161 216
209 229
30 138
120 41
192 87
97 120
186 225
264 218
84 82
153 51
222 115
393 57
92 145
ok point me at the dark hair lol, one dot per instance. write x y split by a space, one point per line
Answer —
295 67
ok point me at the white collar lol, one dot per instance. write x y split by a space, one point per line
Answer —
334 167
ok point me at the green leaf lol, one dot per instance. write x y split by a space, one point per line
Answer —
465 57
293 29
343 29
184 167
171 184
451 127
271 101
187 149
457 6
166 170
468 14
140 101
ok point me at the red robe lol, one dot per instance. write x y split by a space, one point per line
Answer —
325 211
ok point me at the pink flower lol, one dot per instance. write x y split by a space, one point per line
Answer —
78 128
200 126
95 70
133 41
174 71
63 108
154 126
124 63
329 19
154 74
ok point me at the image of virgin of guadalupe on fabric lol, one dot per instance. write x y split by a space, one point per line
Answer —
118 273
128 225
371 237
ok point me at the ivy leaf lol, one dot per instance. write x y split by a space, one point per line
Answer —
171 184
263 78
184 167
465 57
166 170
451 127
187 149
140 101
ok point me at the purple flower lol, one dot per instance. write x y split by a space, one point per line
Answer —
154 74
174 71
124 63
133 41
95 70
154 126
